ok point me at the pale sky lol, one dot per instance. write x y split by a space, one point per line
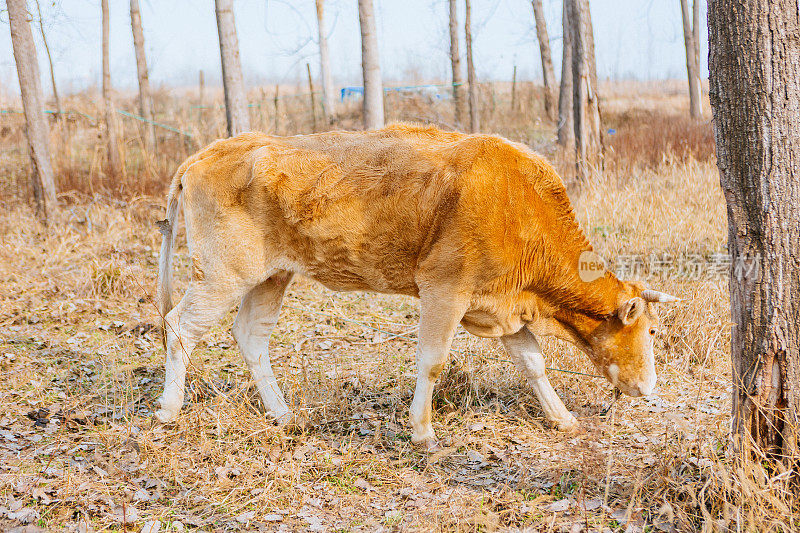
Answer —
639 39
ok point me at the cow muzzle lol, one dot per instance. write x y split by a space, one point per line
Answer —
642 386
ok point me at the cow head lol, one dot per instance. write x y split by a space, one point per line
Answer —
621 345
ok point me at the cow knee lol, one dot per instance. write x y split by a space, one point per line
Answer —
435 370
429 364
240 332
535 366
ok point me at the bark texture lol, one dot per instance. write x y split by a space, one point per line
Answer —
459 102
548 74
474 113
233 83
586 105
566 121
691 40
754 65
371 67
328 93
145 98
36 131
114 165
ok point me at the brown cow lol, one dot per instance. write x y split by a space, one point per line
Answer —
480 229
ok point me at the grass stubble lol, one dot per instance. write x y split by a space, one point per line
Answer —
81 365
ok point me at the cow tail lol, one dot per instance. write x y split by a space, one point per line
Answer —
168 228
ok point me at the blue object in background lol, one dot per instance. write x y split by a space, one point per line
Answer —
349 92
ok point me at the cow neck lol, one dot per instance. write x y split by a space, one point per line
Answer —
560 285
579 312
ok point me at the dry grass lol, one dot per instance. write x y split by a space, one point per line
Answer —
82 365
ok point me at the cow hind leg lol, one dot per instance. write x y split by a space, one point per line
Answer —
527 356
257 316
203 306
439 317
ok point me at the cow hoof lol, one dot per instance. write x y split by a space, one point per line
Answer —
291 422
571 426
165 416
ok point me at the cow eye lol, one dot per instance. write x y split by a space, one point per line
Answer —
652 331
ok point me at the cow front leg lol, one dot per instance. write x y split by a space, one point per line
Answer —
527 356
439 317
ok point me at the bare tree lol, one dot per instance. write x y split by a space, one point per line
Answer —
586 105
691 38
328 95
754 65
114 164
548 74
455 62
371 67
232 81
49 60
44 188
145 98
566 121
474 114
312 106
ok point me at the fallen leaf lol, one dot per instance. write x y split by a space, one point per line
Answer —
557 506
25 515
591 505
153 526
142 495
474 456
245 517
364 485
127 514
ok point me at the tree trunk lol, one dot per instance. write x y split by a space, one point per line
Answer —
145 99
566 121
114 164
201 86
328 94
455 63
548 74
275 102
311 98
49 61
754 65
514 90
691 39
474 116
36 131
593 97
371 67
586 110
696 39
232 81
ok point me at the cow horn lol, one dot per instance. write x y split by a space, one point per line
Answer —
650 295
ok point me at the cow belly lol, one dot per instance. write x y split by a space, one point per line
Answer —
483 323
347 278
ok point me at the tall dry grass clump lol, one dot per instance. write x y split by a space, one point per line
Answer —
648 139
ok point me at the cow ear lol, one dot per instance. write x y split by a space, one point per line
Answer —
631 310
